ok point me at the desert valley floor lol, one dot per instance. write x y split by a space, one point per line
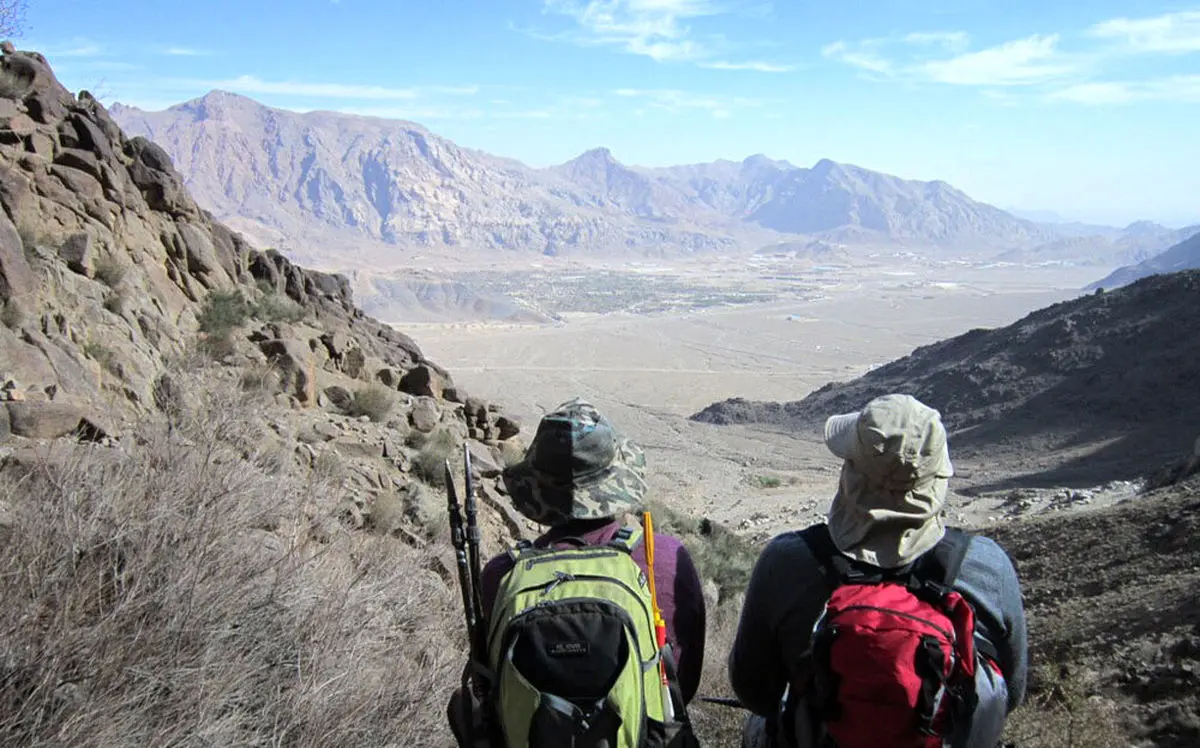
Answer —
651 371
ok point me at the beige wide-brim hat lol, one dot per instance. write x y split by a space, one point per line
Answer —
889 508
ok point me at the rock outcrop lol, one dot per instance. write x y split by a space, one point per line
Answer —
111 275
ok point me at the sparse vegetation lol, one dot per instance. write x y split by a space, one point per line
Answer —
430 463
720 554
260 377
102 355
175 591
274 307
109 270
223 311
12 315
116 302
768 481
512 452
1064 712
373 401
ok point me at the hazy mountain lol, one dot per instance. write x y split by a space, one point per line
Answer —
1136 242
1183 256
343 179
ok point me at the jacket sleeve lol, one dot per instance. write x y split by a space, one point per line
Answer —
689 624
756 669
989 579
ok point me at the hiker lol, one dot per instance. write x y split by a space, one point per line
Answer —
886 523
585 481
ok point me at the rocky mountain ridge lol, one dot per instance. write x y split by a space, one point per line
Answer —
360 179
1109 369
113 281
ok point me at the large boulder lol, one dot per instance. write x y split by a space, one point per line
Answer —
294 361
423 380
76 251
16 277
44 420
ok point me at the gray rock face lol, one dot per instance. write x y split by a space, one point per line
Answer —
354 178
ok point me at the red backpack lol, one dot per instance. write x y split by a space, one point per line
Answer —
893 654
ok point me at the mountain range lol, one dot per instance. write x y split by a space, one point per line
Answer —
280 174
318 183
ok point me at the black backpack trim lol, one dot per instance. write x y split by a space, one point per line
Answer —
938 567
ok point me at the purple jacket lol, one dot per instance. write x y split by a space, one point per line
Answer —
680 595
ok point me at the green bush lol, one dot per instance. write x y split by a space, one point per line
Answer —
720 554
768 481
373 401
430 463
11 315
102 355
223 311
278 308
109 270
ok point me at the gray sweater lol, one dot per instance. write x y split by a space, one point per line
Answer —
787 593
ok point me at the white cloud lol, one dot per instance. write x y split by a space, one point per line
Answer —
657 29
954 41
250 84
1178 88
1168 33
675 101
185 52
755 65
1020 62
862 55
75 48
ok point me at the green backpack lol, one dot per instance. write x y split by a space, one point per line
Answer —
572 652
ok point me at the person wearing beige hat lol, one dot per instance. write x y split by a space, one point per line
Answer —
887 522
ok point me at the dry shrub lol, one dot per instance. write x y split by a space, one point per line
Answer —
170 592
430 463
373 401
1064 711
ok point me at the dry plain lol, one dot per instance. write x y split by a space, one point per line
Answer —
806 325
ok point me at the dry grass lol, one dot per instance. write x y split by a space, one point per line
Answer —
171 592
1064 711
373 401
430 462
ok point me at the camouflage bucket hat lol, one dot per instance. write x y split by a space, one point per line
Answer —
577 467
889 508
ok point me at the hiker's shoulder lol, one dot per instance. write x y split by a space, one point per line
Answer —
791 547
984 549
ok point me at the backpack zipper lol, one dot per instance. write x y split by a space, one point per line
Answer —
949 635
531 562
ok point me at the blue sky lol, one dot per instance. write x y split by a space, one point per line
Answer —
1088 109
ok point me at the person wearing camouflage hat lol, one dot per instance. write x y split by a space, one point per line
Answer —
581 477
888 512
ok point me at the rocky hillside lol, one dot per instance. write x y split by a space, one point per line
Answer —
112 278
285 175
1113 370
1183 256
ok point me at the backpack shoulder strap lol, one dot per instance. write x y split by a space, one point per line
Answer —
943 563
835 567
